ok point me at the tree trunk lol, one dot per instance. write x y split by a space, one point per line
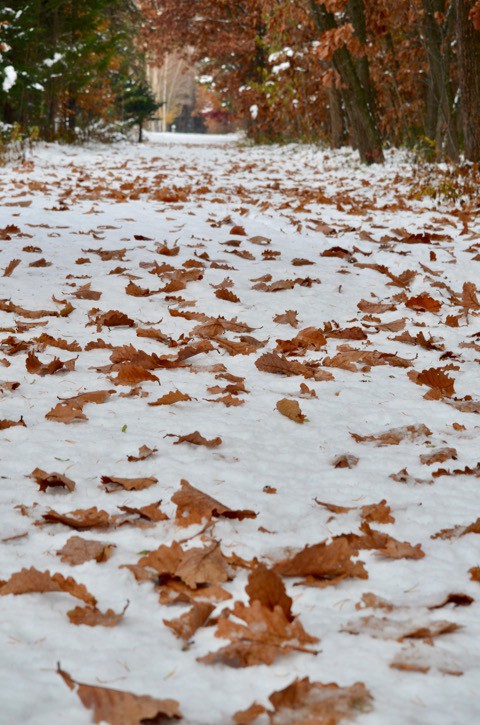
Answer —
440 122
360 115
468 41
140 131
337 126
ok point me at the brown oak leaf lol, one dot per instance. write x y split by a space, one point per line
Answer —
197 439
118 707
195 506
187 624
31 580
93 617
112 483
46 480
291 409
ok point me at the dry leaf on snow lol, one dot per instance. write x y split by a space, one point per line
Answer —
323 564
187 624
77 551
112 483
197 439
175 396
28 581
385 628
394 436
143 453
93 617
79 519
195 506
263 635
291 409
52 480
36 367
118 707
312 703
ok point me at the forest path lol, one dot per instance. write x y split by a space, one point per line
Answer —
322 328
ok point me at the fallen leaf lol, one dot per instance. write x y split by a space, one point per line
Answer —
80 518
385 628
423 303
195 506
28 581
36 367
197 439
13 264
291 409
46 480
143 453
345 460
395 436
128 484
128 374
263 635
4 424
175 396
440 455
77 551
312 703
187 624
323 563
287 318
117 707
93 617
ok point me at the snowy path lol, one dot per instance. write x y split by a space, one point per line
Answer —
178 240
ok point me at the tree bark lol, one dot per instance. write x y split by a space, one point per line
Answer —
468 41
360 115
440 122
337 126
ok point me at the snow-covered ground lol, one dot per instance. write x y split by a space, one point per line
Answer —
110 217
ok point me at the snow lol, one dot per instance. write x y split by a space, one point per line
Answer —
291 195
52 61
10 78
